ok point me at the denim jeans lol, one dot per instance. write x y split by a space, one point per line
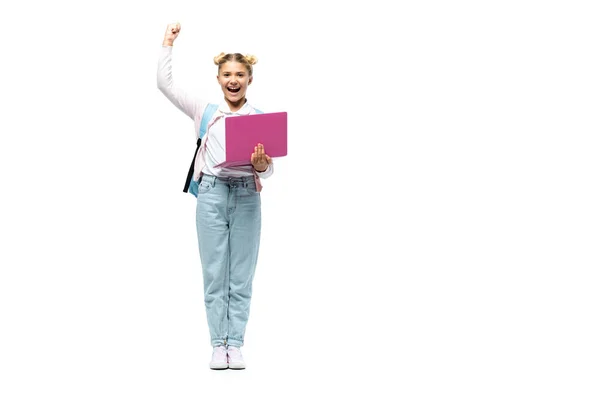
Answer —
228 221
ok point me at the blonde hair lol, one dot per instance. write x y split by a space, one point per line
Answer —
248 60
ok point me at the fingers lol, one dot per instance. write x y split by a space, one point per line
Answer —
257 158
259 150
174 28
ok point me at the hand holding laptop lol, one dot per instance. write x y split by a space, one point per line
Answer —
246 133
260 161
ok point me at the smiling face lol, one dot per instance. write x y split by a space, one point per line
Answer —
234 79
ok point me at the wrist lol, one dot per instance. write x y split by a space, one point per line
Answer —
265 170
167 42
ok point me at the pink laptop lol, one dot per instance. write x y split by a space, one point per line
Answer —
244 132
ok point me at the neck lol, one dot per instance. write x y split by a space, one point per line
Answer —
235 106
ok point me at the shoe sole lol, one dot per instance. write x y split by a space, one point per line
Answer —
236 366
219 366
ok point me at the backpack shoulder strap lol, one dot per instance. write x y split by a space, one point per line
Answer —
209 111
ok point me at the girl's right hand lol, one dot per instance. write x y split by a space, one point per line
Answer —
172 33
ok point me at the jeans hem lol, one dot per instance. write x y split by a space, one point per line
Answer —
235 343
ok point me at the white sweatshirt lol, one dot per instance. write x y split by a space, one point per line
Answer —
212 151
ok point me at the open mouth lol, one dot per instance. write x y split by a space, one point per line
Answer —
233 89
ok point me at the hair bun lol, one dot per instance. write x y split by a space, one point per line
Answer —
218 58
251 59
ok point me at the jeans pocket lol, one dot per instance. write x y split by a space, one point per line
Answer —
251 190
204 187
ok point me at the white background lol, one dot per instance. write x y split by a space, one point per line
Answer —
432 234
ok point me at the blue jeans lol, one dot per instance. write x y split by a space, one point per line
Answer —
228 221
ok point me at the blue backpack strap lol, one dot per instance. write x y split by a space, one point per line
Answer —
209 111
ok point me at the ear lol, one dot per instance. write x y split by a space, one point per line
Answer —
250 80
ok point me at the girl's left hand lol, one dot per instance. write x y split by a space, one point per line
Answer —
260 161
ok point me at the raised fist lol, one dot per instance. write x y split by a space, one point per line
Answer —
172 33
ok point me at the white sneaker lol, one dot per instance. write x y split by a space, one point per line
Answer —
219 358
235 359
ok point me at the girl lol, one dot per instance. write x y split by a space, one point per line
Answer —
228 211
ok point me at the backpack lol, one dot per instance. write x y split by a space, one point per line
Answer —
190 185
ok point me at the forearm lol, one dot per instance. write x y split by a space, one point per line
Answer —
164 77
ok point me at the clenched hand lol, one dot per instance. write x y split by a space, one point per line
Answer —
171 34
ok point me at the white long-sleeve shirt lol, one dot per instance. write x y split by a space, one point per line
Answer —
212 151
